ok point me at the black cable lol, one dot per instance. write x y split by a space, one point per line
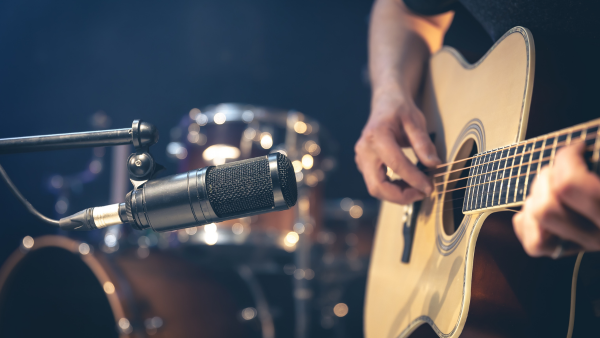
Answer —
23 200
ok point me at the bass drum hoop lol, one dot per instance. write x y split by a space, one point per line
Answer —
73 246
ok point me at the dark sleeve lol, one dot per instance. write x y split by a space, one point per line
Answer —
430 7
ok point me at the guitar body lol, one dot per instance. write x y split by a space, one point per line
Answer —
467 277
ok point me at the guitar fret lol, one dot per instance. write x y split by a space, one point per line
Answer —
506 174
472 173
510 196
548 150
476 181
480 188
560 139
533 164
541 156
519 166
488 179
468 187
473 184
495 179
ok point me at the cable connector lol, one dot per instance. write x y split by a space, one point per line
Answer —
95 218
81 221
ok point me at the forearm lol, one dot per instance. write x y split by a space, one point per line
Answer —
400 42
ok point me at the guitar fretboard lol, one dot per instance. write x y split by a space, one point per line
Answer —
502 176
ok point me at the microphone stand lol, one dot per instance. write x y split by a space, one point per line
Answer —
140 165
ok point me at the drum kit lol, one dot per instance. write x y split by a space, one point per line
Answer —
261 276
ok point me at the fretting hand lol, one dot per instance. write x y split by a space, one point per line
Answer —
562 214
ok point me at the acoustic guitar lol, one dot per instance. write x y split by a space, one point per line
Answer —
451 265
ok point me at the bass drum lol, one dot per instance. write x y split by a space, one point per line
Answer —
55 286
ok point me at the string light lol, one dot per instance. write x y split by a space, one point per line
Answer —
356 211
109 288
247 116
300 127
84 249
307 161
211 236
266 140
297 166
219 153
237 229
220 118
28 242
291 239
346 203
249 313
194 113
202 119
340 309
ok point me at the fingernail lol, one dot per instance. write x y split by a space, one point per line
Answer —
427 189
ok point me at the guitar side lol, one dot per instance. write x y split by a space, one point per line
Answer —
486 104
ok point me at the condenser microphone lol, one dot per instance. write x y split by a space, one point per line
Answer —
207 195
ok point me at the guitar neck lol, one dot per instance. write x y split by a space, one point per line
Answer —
501 177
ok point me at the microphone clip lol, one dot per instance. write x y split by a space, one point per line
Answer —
141 166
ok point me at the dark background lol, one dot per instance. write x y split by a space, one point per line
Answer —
61 63
155 60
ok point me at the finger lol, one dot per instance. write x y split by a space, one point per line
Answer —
380 187
547 210
567 225
415 129
535 239
574 184
376 179
388 150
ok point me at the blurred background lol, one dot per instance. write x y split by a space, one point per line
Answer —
222 81
76 66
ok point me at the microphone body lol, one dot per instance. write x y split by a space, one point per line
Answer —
198 197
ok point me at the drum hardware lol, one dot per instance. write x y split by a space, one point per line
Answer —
228 132
340 258
163 295
287 242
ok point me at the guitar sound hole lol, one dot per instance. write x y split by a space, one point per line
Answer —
453 200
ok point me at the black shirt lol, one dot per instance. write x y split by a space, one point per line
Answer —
566 37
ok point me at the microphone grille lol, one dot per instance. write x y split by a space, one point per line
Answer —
240 187
287 180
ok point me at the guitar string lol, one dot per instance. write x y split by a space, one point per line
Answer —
496 180
566 131
541 159
484 194
556 146
487 193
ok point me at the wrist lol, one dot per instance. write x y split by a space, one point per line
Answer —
390 91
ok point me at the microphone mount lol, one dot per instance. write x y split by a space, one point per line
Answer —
140 165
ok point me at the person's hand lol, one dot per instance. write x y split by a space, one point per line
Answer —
395 122
562 214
